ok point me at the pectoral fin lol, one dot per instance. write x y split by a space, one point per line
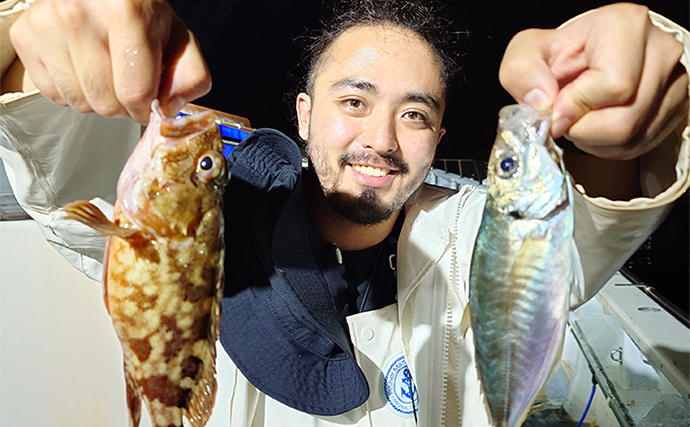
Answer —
466 321
529 267
91 216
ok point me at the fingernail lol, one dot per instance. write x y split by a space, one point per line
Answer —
175 104
537 99
560 126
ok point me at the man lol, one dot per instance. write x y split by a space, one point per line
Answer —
350 277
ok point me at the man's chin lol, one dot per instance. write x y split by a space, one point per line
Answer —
365 209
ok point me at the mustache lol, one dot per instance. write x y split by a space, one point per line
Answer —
363 158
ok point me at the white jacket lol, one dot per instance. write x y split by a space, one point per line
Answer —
433 263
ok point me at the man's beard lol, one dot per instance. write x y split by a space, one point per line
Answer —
367 208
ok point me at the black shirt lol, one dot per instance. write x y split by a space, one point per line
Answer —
365 280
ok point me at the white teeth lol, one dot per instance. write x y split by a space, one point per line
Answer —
370 171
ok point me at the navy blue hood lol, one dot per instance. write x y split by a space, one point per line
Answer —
278 323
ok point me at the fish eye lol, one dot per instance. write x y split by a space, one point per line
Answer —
209 166
206 164
507 166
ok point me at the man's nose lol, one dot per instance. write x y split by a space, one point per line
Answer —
381 135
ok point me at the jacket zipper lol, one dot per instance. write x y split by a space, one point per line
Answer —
451 412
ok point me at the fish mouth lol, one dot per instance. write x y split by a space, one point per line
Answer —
564 204
530 210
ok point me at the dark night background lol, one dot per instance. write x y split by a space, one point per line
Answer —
251 50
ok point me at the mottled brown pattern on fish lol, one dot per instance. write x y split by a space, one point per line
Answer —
141 348
201 327
193 293
191 366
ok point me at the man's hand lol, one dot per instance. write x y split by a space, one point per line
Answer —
612 79
112 57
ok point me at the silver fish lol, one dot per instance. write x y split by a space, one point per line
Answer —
523 265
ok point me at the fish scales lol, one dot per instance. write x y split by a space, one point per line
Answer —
163 270
522 267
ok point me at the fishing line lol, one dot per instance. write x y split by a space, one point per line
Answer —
414 409
589 403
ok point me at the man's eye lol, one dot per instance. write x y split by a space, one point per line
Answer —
353 103
416 116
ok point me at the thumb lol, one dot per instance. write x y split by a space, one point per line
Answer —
186 76
525 72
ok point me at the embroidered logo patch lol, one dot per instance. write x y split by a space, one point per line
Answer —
399 388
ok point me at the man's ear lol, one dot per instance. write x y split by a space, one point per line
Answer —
303 104
440 135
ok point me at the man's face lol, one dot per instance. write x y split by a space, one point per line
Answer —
373 121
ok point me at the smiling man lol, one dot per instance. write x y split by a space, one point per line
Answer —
346 281
372 120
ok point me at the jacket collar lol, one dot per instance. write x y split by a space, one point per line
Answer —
423 241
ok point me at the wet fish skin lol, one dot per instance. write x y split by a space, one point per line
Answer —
163 270
523 265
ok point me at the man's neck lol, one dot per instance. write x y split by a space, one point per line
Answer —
345 234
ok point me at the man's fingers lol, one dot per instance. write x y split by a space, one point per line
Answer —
630 129
525 72
186 76
135 47
22 38
599 63
39 76
94 73
591 63
627 131
61 76
110 56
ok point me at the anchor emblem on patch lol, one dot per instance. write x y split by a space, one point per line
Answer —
399 389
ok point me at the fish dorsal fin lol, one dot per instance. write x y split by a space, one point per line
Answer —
202 401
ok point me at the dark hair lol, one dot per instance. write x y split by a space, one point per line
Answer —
422 17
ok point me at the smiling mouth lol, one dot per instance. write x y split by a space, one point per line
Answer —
371 170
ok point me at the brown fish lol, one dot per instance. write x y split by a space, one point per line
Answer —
163 269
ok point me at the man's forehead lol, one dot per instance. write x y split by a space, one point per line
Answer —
363 48
370 42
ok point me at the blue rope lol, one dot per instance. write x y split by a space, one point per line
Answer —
591 397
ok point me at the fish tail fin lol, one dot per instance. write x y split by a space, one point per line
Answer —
90 215
133 398
204 395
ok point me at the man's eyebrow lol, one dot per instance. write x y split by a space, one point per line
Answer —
424 98
360 84
421 97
